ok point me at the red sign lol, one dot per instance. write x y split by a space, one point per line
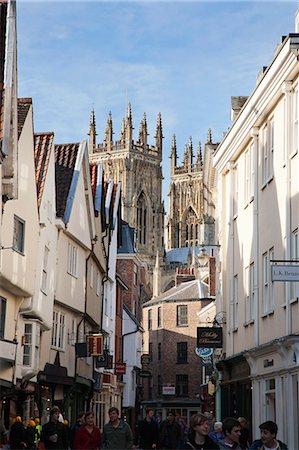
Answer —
95 344
106 378
120 368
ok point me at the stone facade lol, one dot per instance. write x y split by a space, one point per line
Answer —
137 165
163 337
191 197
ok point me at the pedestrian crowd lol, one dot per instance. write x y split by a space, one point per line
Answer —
151 433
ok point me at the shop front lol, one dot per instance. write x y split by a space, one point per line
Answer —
235 385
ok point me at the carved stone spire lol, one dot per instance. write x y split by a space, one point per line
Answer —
159 135
174 154
129 127
92 132
190 154
185 157
109 134
122 133
143 133
199 157
209 139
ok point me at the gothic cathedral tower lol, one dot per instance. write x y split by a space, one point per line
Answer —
138 166
191 198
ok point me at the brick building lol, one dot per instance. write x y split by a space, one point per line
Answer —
170 322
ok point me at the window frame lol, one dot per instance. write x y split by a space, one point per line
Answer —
182 353
58 330
19 239
150 319
72 265
159 317
182 385
180 322
44 283
3 308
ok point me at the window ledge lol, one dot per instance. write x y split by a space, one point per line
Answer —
268 313
271 178
182 362
235 216
294 300
249 322
234 330
18 251
294 153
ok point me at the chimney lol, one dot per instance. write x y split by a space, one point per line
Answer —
183 275
236 104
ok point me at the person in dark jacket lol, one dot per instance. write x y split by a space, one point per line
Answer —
30 435
54 435
245 434
17 434
147 431
169 433
79 422
198 437
268 438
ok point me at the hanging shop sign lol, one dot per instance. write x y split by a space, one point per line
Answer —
284 272
204 352
120 368
95 344
102 360
209 337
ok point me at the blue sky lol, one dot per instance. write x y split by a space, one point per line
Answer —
183 59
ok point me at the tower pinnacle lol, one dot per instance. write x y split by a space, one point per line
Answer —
109 133
209 140
92 132
159 135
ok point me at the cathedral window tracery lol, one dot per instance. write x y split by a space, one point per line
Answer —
141 220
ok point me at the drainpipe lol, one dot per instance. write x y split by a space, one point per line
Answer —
105 277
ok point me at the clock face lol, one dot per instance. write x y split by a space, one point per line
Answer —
204 352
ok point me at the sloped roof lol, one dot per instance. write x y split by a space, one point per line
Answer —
180 255
127 245
23 108
65 160
42 152
188 291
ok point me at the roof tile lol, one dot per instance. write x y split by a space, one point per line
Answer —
23 108
65 160
42 152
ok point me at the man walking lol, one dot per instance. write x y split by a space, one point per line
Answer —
54 435
268 438
117 434
232 431
170 433
147 431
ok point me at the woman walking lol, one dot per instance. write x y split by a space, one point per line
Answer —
88 436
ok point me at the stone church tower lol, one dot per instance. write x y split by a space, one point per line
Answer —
191 197
138 166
